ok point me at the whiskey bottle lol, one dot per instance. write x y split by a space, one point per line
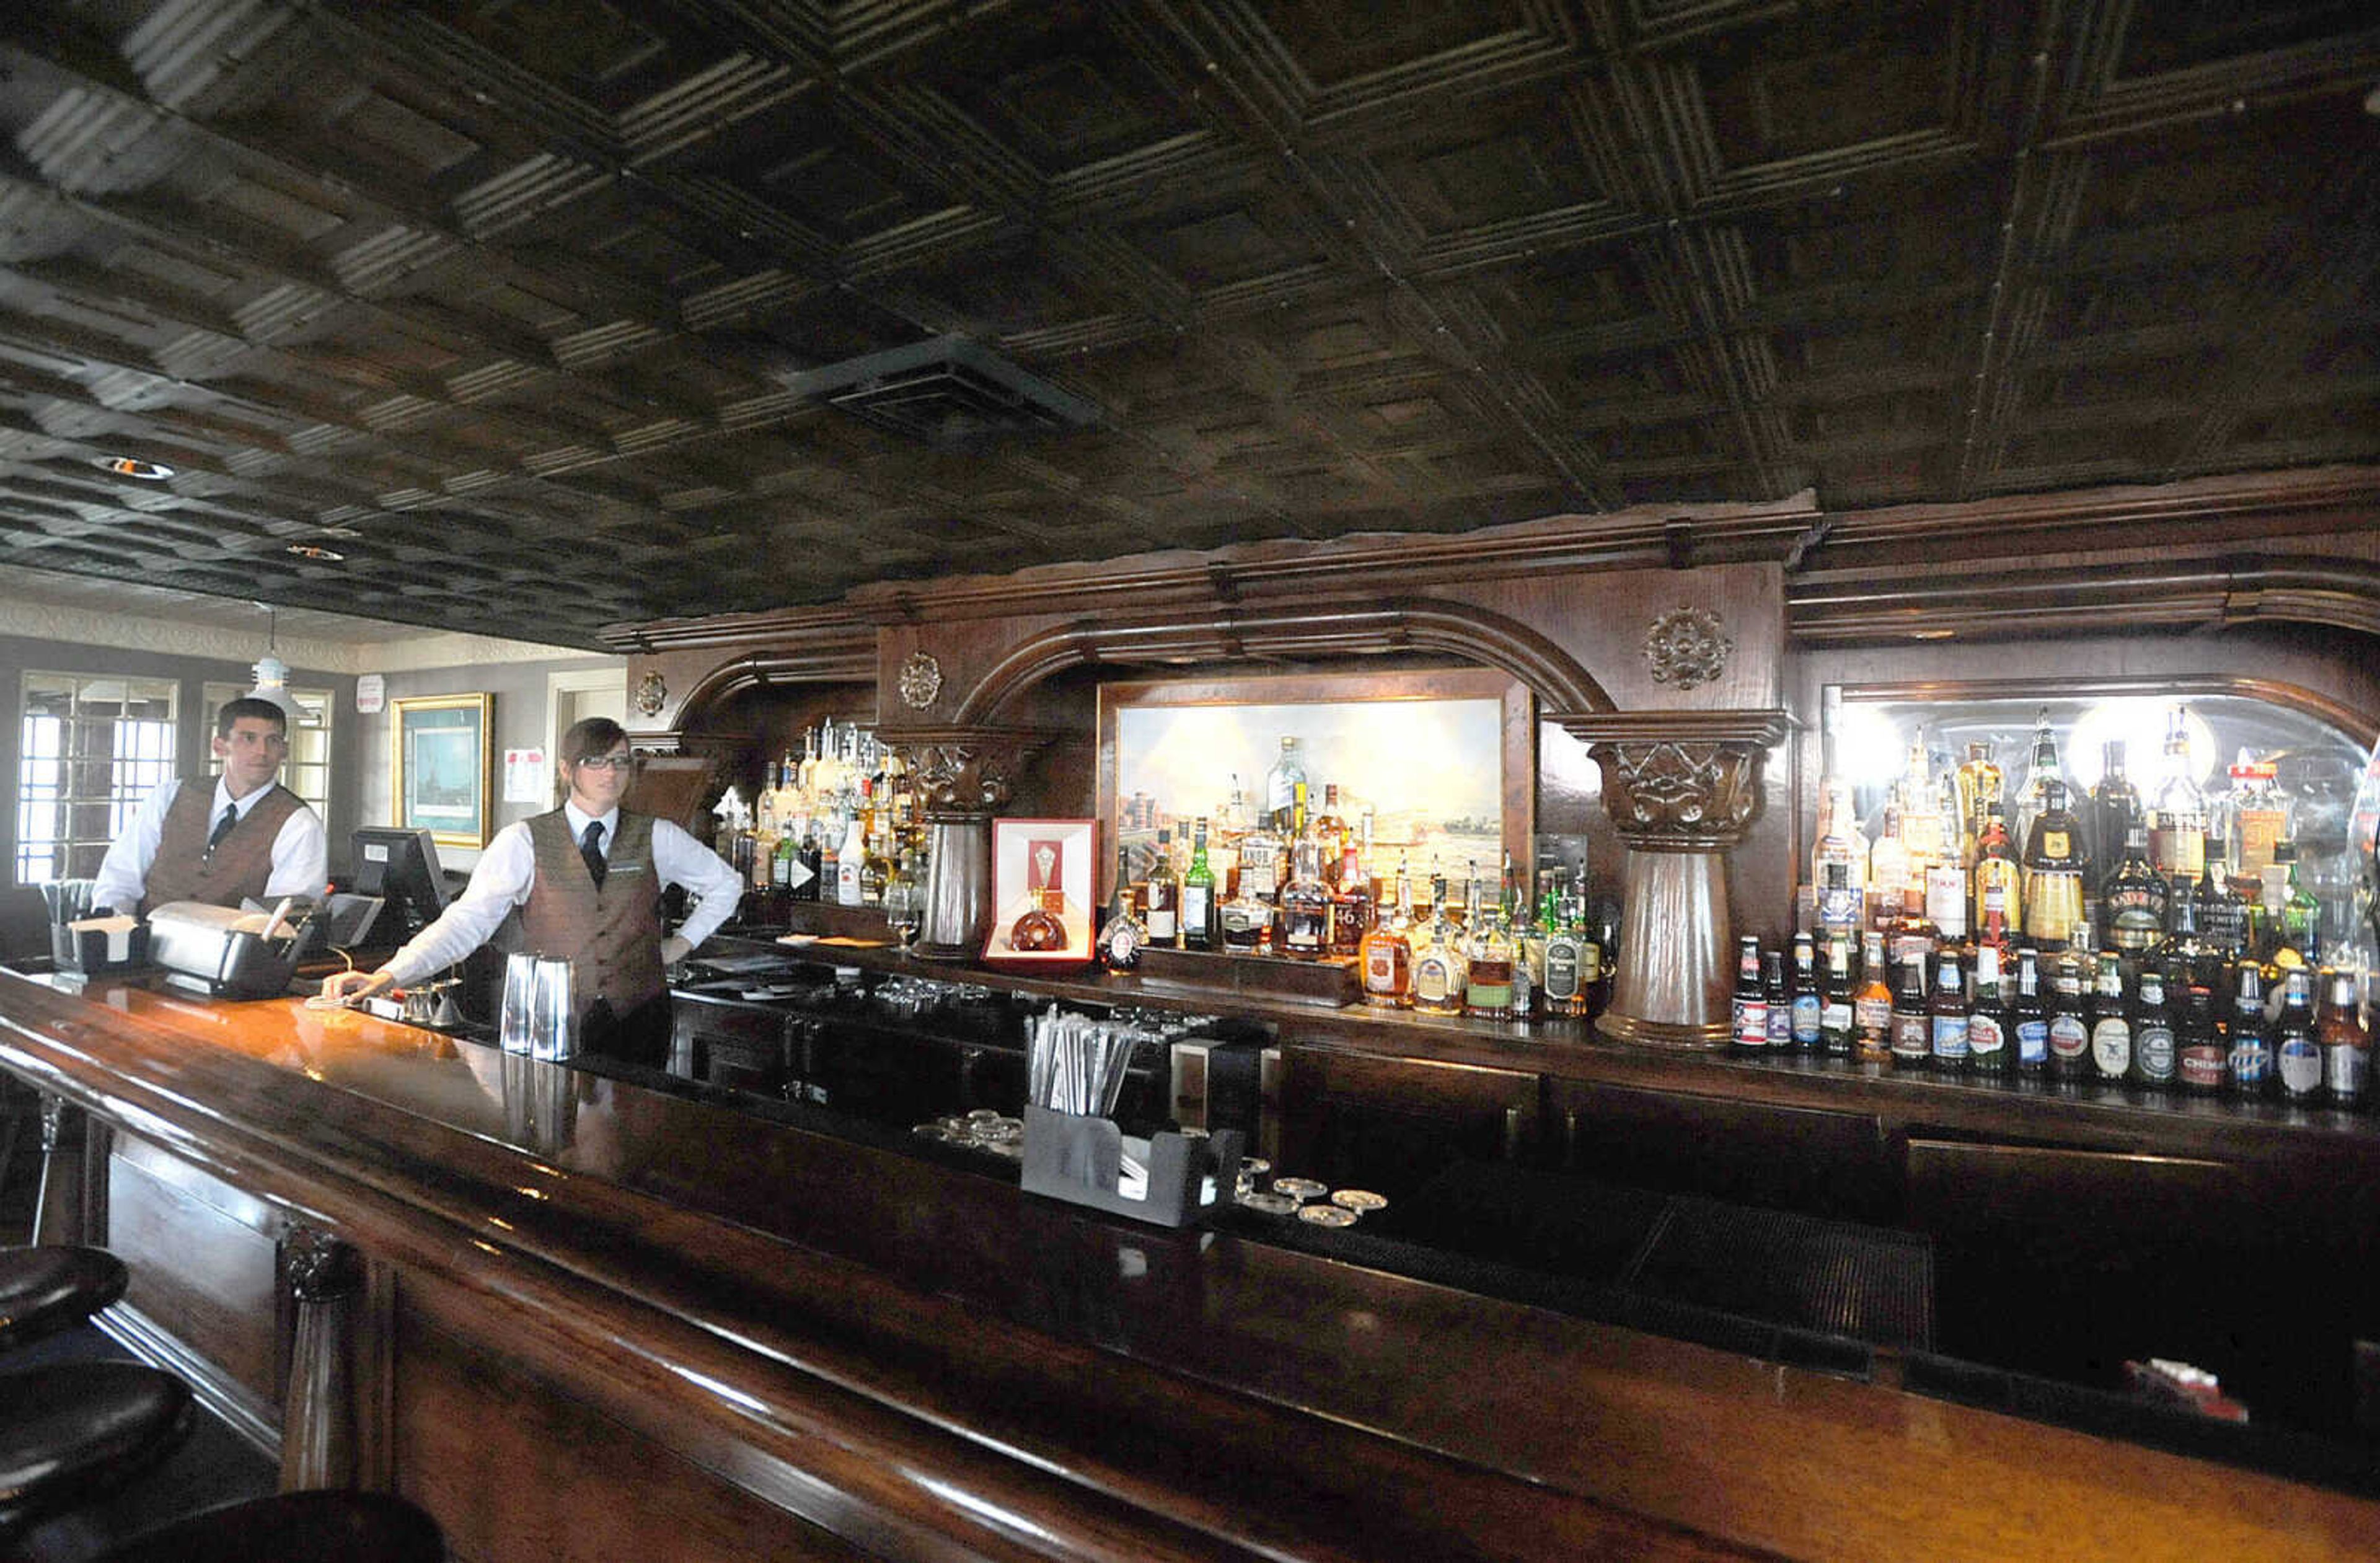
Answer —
1570 959
1385 956
1329 832
1979 786
1306 907
1202 925
2033 795
1165 895
2113 815
1285 786
1488 977
1352 913
2134 901
2053 871
1124 934
2178 812
1440 970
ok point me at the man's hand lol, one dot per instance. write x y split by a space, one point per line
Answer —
674 950
357 985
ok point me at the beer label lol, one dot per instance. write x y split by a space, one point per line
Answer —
1835 1019
2299 1064
2343 1069
1950 1034
2111 1047
1808 1020
2031 1041
1780 1024
2153 1051
1911 1037
2252 1061
1873 1017
2069 1038
1984 1039
2201 1067
1750 1022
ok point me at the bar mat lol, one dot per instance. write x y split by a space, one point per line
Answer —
1803 1272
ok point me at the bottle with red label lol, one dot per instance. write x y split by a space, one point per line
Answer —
1751 1006
2200 1061
1989 1052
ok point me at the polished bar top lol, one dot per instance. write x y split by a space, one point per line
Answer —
1046 1375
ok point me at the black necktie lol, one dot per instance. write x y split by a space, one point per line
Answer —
222 827
590 847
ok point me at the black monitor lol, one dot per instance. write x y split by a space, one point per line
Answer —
401 867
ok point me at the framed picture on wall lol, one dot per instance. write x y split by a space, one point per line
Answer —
442 766
1041 892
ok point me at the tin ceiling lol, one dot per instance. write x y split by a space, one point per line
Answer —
551 314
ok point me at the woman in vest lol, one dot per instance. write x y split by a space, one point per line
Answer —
587 879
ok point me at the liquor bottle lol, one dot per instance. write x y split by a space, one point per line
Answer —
1840 903
1888 864
2222 910
2029 1016
1837 837
2111 1022
1809 1003
2032 794
1779 999
2200 1061
2250 1064
1569 961
1122 935
2258 818
1440 971
1202 926
1989 1049
1923 829
2346 1045
1912 1027
813 850
2069 1033
1329 829
1837 1027
1042 928
1351 899
2178 811
1306 907
1528 948
2114 813
2297 1051
1164 897
1284 789
1246 921
1947 1016
876 868
2300 920
851 861
2133 897
782 863
1995 866
2153 1036
1488 981
1871 1006
1749 1012
1230 821
2188 960
1385 956
1979 786
2053 871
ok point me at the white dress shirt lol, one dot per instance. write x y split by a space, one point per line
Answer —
301 860
508 867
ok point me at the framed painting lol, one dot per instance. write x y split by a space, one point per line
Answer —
442 767
1439 766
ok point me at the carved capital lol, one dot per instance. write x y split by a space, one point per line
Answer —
1680 780
321 1269
966 773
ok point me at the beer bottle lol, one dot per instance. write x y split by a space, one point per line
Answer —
1808 1002
2346 1046
2070 1031
2029 1016
1989 1050
2201 1063
1835 1024
1781 1001
2152 1032
2112 1024
1872 1008
2251 1070
1946 1010
1913 1033
2297 1052
1750 1018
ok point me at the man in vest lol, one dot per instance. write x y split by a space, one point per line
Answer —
588 878
241 836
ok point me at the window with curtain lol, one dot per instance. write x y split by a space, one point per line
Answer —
91 745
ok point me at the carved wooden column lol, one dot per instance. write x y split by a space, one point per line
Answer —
318 1421
71 1205
1681 787
963 776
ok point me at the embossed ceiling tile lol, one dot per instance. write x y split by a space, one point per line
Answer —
603 52
1220 237
1910 231
1556 294
1818 82
2168 38
1479 169
1336 45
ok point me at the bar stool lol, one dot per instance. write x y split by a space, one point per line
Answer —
70 1431
49 1286
326 1525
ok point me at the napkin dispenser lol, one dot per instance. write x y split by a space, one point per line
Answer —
225 952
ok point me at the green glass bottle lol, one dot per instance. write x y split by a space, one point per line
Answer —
1201 923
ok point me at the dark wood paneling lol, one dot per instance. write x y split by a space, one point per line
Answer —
1759 1153
205 1258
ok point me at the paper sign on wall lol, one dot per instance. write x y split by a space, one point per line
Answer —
525 776
372 694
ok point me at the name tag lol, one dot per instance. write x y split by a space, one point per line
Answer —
619 871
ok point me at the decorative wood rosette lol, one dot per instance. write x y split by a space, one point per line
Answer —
1687 647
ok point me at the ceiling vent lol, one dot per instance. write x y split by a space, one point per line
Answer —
947 393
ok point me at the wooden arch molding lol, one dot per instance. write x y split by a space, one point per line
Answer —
1562 685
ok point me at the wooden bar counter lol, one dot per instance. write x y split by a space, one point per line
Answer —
600 1321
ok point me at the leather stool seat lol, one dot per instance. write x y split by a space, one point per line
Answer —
69 1431
324 1526
50 1287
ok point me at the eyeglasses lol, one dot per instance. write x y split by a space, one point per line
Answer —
611 762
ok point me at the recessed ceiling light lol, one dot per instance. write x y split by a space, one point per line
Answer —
130 467
314 551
